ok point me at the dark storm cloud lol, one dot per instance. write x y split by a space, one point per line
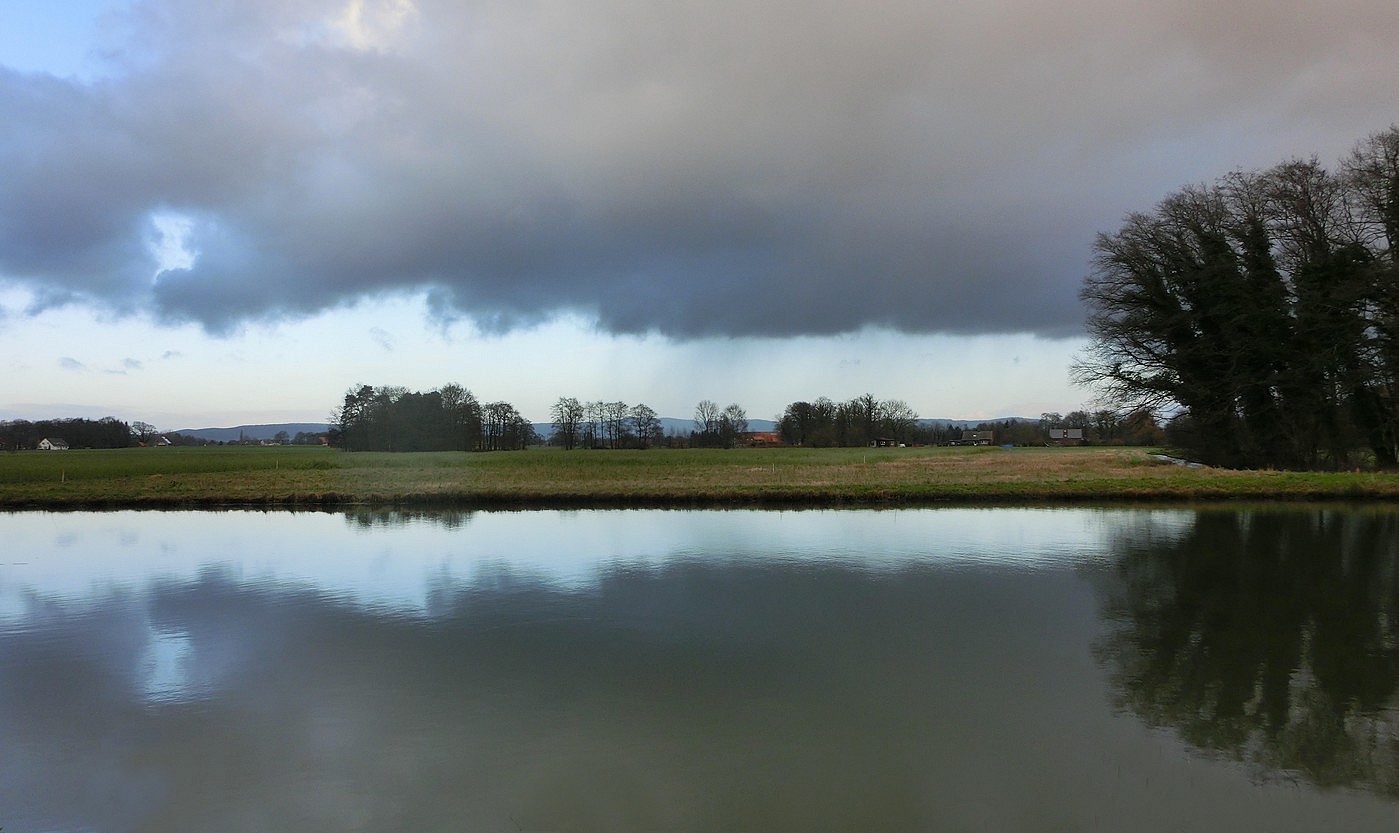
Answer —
694 169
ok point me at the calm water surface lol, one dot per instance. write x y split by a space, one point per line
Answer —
652 671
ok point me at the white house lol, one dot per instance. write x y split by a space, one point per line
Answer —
54 444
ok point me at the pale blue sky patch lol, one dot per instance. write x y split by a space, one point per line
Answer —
165 672
58 38
297 372
171 243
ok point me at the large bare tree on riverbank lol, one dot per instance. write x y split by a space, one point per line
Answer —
1265 308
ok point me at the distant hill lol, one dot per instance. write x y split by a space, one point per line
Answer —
253 432
685 426
972 423
669 425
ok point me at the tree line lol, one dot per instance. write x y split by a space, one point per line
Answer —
450 418
866 420
110 432
1108 427
600 424
107 432
1262 311
578 424
863 420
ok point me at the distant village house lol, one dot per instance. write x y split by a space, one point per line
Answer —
1066 436
54 444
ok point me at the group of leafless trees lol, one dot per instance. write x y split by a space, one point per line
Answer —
861 421
1263 310
718 428
579 424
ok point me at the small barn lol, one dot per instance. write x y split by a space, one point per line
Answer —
53 444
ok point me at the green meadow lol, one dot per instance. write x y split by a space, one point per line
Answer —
299 476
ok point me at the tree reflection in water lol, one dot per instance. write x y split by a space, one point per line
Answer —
365 519
1270 637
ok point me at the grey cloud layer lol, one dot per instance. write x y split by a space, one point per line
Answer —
728 167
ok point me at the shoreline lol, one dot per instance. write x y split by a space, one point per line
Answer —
290 478
775 501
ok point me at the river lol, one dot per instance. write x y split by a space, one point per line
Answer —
950 669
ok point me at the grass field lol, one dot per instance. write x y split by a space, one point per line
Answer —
299 476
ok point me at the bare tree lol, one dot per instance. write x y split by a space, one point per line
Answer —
504 428
594 418
615 421
645 425
144 432
897 419
797 423
707 421
1261 310
463 413
733 424
568 417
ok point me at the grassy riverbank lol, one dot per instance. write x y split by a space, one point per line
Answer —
296 476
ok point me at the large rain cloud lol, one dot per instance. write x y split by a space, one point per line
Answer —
721 168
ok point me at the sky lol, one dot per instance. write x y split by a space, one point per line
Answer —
231 212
